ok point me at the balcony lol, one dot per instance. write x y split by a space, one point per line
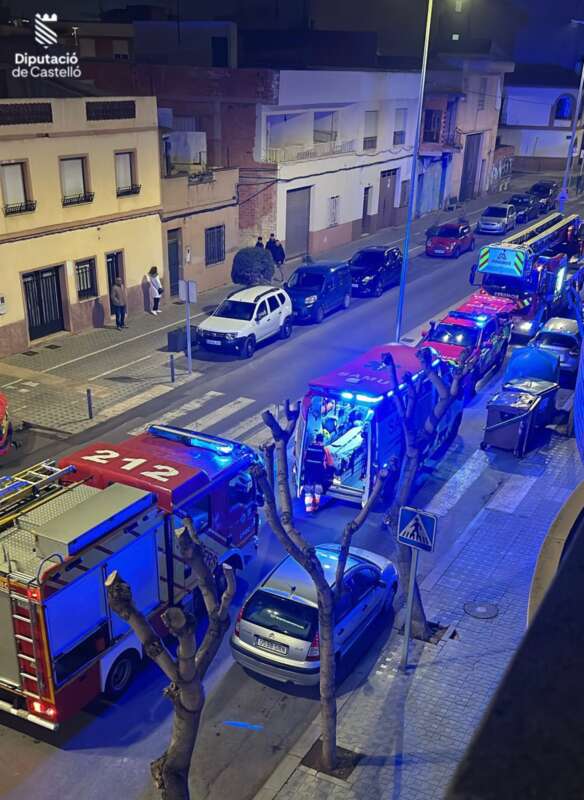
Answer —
298 152
20 208
77 199
207 176
124 191
370 143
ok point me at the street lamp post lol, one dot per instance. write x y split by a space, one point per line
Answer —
406 255
570 157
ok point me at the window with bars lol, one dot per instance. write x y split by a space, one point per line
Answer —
110 109
401 121
74 181
334 203
86 278
126 174
482 94
25 113
15 188
214 245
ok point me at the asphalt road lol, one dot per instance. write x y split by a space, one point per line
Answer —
109 746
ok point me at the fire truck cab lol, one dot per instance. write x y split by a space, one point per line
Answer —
108 507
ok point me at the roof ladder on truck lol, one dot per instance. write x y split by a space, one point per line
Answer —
29 487
23 613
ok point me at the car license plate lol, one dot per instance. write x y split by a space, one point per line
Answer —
213 341
274 647
438 250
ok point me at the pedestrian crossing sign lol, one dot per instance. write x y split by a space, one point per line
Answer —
417 528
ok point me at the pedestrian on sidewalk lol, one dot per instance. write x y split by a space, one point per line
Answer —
156 290
271 244
260 242
279 257
119 302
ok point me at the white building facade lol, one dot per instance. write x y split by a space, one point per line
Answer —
341 144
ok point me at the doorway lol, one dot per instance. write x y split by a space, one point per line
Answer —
387 184
365 211
174 249
42 291
469 166
297 221
115 269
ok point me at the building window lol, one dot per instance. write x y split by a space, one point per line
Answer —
214 245
74 181
86 279
15 189
432 125
86 47
370 134
482 93
334 210
458 6
401 121
110 109
126 174
325 127
25 113
564 107
120 50
455 37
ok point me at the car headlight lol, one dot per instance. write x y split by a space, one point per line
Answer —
525 326
310 300
367 279
230 337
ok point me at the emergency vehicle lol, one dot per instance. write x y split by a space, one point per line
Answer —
108 507
466 336
353 408
525 276
5 426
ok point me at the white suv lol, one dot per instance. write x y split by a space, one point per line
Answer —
245 318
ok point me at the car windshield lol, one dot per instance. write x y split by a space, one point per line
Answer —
540 189
447 231
520 200
303 279
281 615
495 211
563 340
366 258
235 309
459 335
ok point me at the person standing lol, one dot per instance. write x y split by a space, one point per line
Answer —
279 256
156 290
119 302
318 466
271 244
260 242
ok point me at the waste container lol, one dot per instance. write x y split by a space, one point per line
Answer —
517 413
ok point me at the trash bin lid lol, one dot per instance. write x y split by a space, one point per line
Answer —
532 362
512 400
534 386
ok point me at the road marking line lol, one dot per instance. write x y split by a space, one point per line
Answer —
456 486
170 416
243 429
121 343
219 414
132 402
122 366
511 493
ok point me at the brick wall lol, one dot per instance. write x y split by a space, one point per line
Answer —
257 204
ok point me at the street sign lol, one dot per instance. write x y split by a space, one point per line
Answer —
187 291
417 528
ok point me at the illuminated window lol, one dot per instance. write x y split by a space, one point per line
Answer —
455 37
458 5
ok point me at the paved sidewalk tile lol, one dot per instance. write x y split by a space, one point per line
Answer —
413 729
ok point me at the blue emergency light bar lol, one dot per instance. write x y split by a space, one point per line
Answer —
347 395
215 444
366 398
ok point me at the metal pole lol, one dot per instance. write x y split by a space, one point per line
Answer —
89 404
172 372
570 156
409 607
189 349
406 255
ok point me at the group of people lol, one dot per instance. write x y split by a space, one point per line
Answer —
119 298
274 246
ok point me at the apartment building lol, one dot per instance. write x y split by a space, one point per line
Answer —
80 184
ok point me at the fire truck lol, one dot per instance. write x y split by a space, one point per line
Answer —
5 426
525 277
66 526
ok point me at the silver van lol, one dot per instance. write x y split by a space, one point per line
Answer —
276 632
497 219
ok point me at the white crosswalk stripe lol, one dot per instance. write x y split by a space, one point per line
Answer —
172 416
219 414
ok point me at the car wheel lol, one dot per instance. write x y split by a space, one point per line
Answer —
377 289
346 300
121 673
286 329
318 315
456 252
248 348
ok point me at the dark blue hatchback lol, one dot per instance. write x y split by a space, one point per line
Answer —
318 288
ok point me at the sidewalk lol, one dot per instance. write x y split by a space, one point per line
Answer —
413 729
47 386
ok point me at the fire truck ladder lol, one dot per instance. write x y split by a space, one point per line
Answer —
24 490
539 237
23 614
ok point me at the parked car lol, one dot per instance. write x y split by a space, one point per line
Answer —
546 193
560 337
319 288
497 219
245 318
449 240
374 269
276 632
526 205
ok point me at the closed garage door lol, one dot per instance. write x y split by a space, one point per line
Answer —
297 221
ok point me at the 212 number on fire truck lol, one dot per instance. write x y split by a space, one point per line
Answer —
161 472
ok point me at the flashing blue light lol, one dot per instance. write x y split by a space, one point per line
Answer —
482 318
365 398
402 386
389 394
435 362
220 447
347 395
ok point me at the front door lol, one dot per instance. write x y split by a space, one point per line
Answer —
469 166
114 265
44 308
297 221
387 184
365 211
174 251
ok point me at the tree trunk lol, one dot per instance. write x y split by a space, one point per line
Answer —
328 695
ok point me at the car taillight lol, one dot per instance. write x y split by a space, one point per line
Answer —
42 709
237 621
314 649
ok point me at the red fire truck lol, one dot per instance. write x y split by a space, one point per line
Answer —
525 277
108 506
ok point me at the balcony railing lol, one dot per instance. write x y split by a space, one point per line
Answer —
370 143
123 191
77 199
20 208
279 155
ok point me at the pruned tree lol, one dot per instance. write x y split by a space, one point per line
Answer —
418 441
252 265
186 692
282 523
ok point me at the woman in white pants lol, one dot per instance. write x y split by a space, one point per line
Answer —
155 290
